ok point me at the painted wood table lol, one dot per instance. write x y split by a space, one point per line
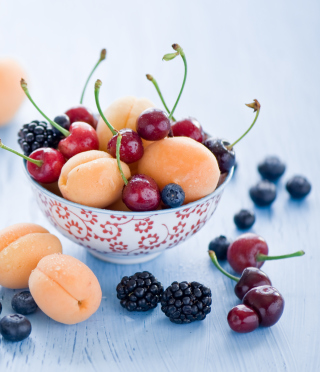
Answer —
236 51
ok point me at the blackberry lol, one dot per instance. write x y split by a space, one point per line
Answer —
220 246
186 302
139 292
244 219
23 303
37 134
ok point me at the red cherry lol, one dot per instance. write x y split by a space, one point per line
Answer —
131 148
83 114
153 124
141 193
242 319
267 302
189 127
52 162
243 252
251 277
82 138
251 250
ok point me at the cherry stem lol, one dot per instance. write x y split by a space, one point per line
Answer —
24 86
263 257
34 161
154 82
168 57
256 107
96 94
103 54
118 159
214 259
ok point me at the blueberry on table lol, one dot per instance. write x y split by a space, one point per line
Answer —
220 246
0 307
298 187
15 327
23 303
139 292
186 302
263 193
172 195
244 219
271 168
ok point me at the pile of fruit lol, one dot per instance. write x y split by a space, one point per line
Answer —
136 157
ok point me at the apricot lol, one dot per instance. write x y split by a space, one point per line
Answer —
11 94
22 246
122 113
65 289
184 161
92 178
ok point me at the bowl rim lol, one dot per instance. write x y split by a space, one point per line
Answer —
217 191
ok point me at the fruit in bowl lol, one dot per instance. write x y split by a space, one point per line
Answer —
163 180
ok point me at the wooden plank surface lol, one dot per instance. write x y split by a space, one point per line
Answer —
237 51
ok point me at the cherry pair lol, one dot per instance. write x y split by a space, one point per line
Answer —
262 304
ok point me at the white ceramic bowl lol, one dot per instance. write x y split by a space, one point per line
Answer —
126 237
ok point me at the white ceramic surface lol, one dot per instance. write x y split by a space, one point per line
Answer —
126 237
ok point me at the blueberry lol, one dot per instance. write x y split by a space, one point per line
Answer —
23 303
244 219
272 168
0 307
220 246
173 195
64 121
15 327
263 193
298 187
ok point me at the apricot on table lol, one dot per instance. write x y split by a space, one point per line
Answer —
11 94
92 178
65 289
122 113
22 246
183 161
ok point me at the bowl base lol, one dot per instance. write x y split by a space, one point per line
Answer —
127 260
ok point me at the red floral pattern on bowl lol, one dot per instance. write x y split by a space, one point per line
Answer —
126 237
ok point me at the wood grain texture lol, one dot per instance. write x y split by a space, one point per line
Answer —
237 51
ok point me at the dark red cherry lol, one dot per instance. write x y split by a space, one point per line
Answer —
82 138
189 127
83 114
131 148
52 163
251 277
243 252
267 302
141 193
44 164
226 157
153 124
251 250
243 319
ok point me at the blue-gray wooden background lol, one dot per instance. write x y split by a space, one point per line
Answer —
237 50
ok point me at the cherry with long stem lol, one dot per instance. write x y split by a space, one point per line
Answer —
44 164
103 54
154 82
223 150
251 277
74 142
